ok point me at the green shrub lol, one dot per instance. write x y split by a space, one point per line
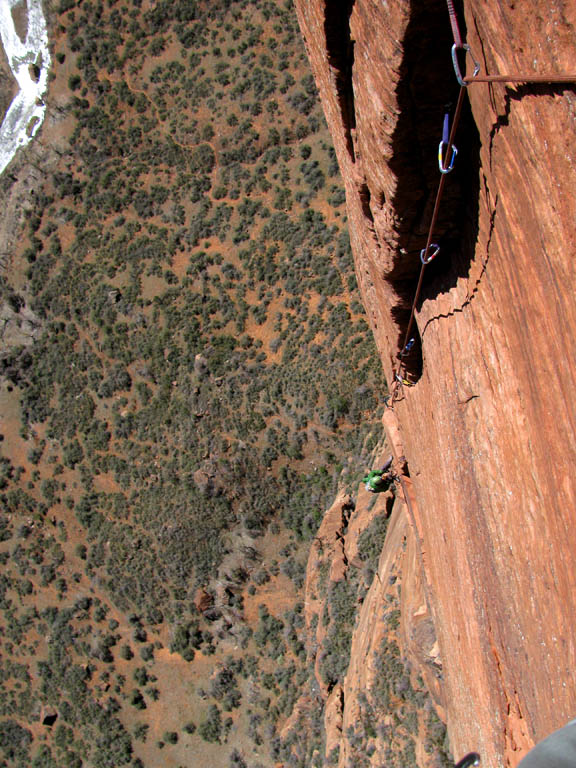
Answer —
210 729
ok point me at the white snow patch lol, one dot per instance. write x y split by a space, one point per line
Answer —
26 112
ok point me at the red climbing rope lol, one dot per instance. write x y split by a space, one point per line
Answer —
454 23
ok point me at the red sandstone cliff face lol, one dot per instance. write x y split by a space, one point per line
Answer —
489 425
379 712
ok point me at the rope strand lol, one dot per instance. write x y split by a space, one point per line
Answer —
454 24
432 227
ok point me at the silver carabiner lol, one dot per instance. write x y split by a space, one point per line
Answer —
446 168
456 65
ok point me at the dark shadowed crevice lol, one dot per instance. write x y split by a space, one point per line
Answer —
340 50
365 196
426 87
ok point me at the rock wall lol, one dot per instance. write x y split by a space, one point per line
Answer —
365 713
488 425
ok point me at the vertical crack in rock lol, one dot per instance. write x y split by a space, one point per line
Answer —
340 50
365 197
426 87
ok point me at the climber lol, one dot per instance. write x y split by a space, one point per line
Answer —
379 480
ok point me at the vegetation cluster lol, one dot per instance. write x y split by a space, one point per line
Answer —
204 381
201 385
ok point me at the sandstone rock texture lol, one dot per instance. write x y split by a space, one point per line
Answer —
327 554
488 426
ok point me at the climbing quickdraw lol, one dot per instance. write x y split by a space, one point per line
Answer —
407 349
444 143
402 381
